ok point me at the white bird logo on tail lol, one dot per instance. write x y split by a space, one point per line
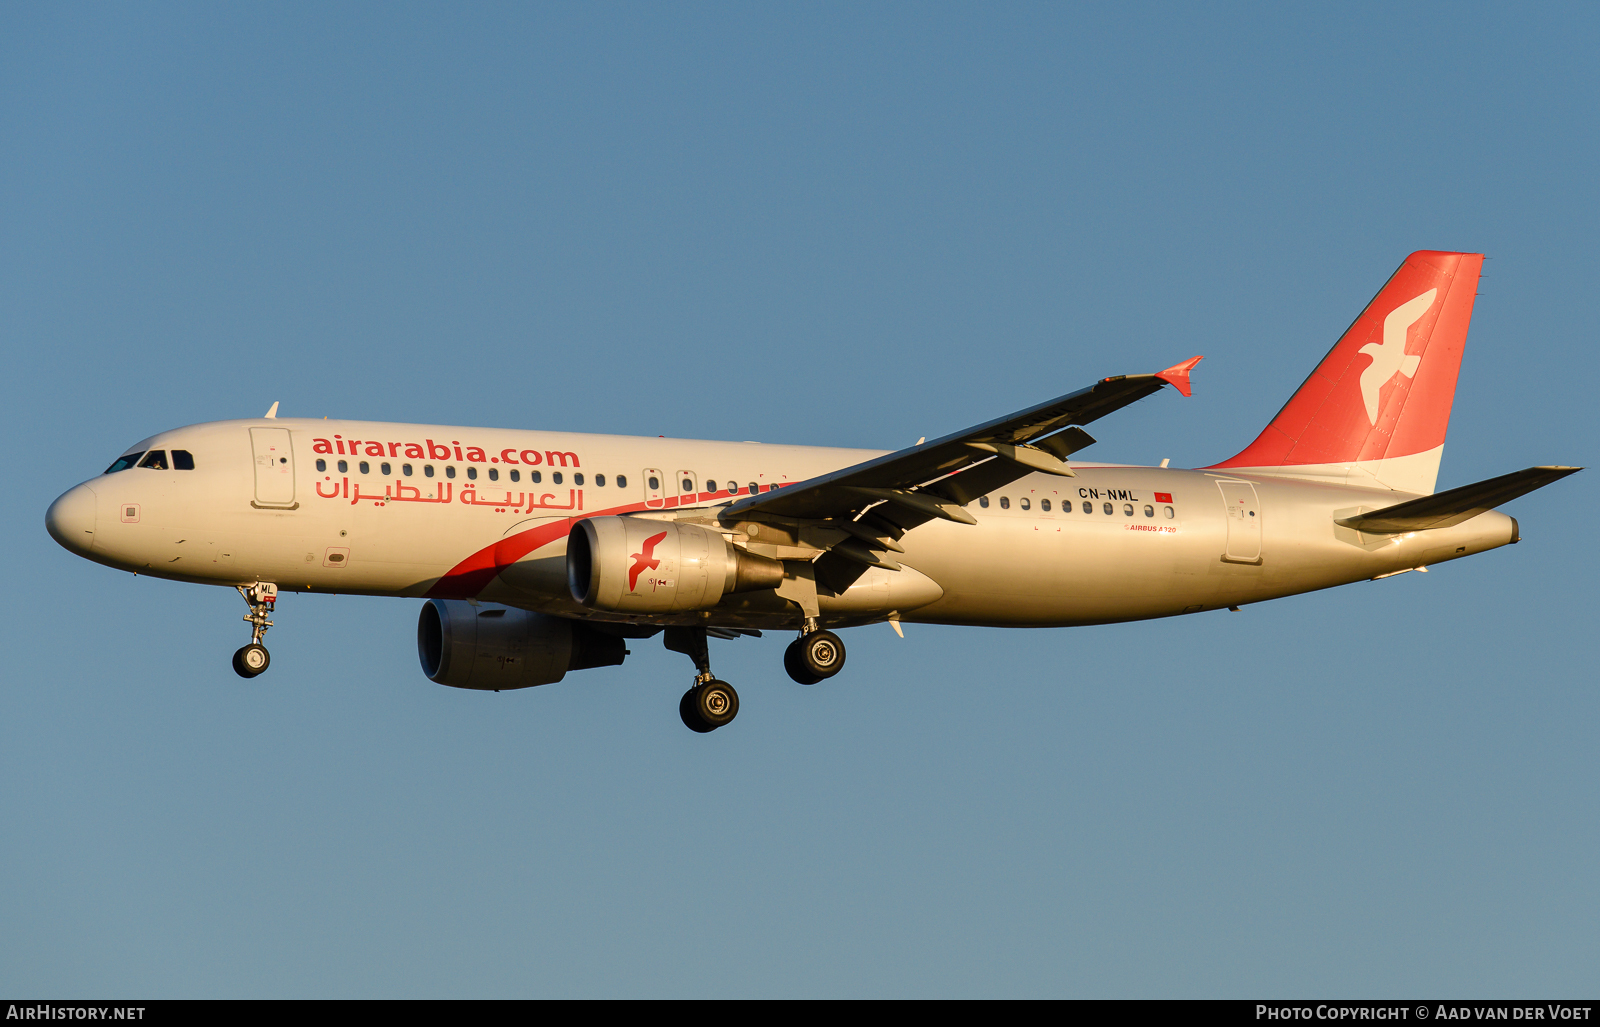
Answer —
1390 358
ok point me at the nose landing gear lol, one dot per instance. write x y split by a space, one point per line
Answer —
251 660
254 659
709 703
815 656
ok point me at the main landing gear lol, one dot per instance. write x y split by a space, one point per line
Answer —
815 656
254 659
709 703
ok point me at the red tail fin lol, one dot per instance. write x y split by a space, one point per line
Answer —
1376 409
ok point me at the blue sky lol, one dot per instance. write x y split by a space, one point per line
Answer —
834 224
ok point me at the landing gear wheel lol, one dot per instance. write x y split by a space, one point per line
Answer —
821 653
716 702
710 703
691 716
794 662
253 659
709 706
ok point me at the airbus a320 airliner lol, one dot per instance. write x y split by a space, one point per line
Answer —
541 553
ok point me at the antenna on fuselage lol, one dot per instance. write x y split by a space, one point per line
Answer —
274 411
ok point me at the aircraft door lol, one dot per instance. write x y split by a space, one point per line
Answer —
274 468
654 497
1244 521
688 488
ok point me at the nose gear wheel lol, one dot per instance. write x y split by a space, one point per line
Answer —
251 660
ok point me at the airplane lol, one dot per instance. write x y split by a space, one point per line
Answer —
541 553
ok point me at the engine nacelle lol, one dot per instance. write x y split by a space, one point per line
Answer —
488 646
640 565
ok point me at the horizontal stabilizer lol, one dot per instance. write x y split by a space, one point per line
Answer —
1445 509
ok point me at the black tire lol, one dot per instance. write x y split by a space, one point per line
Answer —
690 714
794 662
823 653
716 702
251 660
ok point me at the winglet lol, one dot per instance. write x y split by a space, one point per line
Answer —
1178 374
274 411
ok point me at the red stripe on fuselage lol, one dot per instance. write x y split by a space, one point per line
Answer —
472 575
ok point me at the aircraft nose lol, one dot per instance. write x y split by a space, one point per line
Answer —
70 519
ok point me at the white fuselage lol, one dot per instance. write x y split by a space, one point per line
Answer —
1111 544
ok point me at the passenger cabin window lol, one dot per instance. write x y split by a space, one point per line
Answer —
622 481
516 475
344 467
472 473
654 483
1023 502
364 467
449 472
1005 502
405 470
156 460
599 481
711 484
1149 511
754 488
1088 508
1044 504
494 473
427 470
383 469
577 479
1108 509
555 476
322 465
536 477
983 501
1127 509
182 460
122 463
1170 513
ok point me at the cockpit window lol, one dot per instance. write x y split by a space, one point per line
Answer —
124 462
156 460
182 460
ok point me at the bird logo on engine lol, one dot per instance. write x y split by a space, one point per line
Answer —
645 559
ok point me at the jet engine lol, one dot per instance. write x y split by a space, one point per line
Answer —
484 645
639 565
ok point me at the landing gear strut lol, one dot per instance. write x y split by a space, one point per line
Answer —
709 703
254 659
815 656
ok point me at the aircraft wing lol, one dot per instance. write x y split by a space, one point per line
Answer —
937 478
1445 509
